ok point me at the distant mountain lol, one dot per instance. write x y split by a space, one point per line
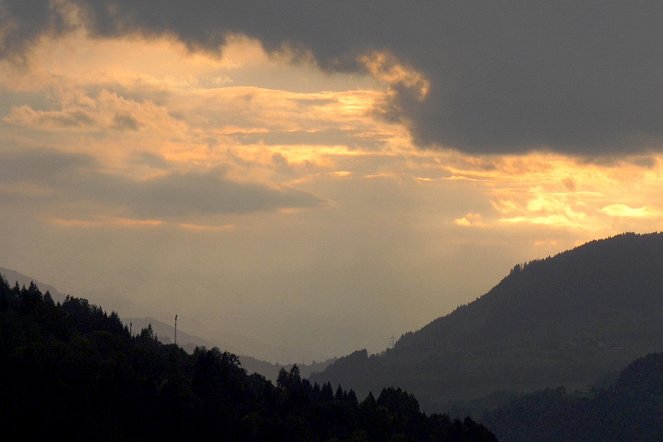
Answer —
271 370
14 277
113 301
567 320
631 409
164 331
166 334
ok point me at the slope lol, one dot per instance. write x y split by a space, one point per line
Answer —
565 320
165 333
630 409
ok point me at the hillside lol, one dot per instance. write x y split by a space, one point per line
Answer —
629 410
165 333
74 372
189 342
565 320
271 370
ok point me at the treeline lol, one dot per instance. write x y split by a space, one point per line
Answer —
631 409
70 370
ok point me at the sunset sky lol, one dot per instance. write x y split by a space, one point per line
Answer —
300 179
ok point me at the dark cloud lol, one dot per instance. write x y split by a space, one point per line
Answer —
582 77
184 194
151 160
71 119
40 166
125 122
24 21
73 178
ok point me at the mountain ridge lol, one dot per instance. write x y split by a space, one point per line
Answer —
564 320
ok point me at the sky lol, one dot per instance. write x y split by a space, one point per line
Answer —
300 179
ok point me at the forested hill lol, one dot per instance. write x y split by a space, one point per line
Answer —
565 320
186 340
73 372
629 410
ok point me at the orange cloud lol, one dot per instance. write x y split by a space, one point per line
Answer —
624 211
111 222
388 69
144 108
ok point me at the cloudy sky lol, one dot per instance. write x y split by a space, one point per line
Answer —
299 179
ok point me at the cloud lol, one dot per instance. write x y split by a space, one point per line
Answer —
70 119
125 122
39 165
22 22
179 195
622 210
83 111
311 138
76 181
580 77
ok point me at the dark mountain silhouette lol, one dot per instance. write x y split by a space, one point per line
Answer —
166 333
271 370
629 410
73 372
567 320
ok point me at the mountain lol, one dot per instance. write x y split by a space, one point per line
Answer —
631 409
166 333
14 277
73 372
115 301
565 320
161 329
271 370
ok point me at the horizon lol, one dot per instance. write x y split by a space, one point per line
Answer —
24 280
302 182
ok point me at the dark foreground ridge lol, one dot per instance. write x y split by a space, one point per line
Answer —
568 320
73 372
629 410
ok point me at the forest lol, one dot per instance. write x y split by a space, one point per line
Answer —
73 371
628 409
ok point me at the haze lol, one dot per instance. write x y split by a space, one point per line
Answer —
303 180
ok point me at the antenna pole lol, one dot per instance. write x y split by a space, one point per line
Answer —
175 329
